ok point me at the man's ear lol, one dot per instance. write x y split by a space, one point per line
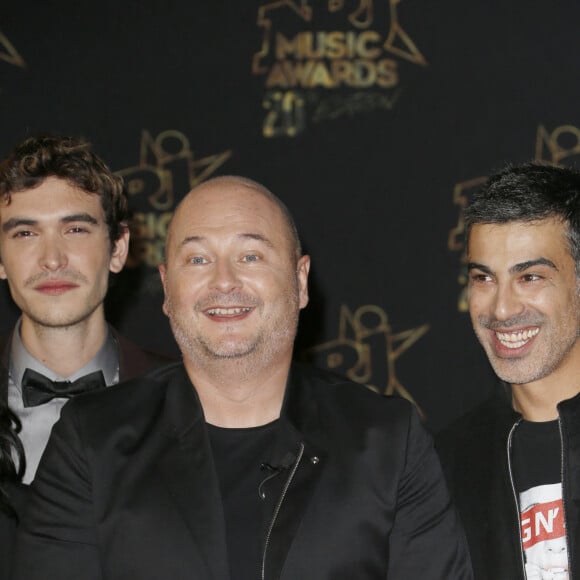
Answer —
120 251
302 269
162 273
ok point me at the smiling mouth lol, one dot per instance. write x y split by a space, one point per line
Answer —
516 339
228 311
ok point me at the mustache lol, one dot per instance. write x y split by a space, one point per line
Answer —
492 323
66 275
230 299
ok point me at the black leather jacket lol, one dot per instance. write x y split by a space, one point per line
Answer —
475 455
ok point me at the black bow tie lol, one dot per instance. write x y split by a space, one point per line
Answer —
38 389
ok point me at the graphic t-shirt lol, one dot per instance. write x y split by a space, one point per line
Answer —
536 460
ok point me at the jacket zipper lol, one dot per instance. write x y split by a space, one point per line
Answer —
279 505
515 495
562 466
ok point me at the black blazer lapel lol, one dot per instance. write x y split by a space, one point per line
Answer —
189 474
299 447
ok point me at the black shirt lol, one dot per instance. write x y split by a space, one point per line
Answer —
238 455
536 454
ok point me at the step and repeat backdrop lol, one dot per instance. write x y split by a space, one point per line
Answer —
374 120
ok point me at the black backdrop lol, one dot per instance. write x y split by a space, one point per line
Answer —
372 120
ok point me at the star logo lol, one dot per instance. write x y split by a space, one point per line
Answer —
367 348
9 54
168 168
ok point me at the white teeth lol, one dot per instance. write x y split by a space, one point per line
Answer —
516 339
227 311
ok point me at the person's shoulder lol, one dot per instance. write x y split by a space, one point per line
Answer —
350 416
479 431
485 416
330 380
355 400
128 397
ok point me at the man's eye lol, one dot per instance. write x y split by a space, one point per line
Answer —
23 234
475 278
197 260
250 258
77 230
531 277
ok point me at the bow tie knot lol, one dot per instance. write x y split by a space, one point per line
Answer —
38 389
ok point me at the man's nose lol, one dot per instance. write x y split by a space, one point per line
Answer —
507 302
225 277
53 255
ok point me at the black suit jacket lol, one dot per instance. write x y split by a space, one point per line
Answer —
132 362
127 489
476 458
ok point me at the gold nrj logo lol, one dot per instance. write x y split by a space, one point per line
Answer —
9 54
366 348
557 147
167 165
337 60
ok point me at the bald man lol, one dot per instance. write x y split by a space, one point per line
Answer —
237 463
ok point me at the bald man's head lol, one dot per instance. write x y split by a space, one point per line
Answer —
230 184
233 277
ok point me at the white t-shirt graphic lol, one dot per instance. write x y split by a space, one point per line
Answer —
544 533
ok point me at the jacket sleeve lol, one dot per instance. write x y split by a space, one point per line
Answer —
57 536
427 540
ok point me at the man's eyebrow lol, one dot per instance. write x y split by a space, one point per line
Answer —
516 268
523 266
191 240
16 222
476 266
77 217
257 237
243 236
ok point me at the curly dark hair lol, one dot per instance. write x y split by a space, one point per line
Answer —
527 193
12 462
71 159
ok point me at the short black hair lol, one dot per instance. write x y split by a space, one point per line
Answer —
528 193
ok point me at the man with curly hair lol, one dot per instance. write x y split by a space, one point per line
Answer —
63 230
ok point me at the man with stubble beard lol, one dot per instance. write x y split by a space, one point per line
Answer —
237 463
513 463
